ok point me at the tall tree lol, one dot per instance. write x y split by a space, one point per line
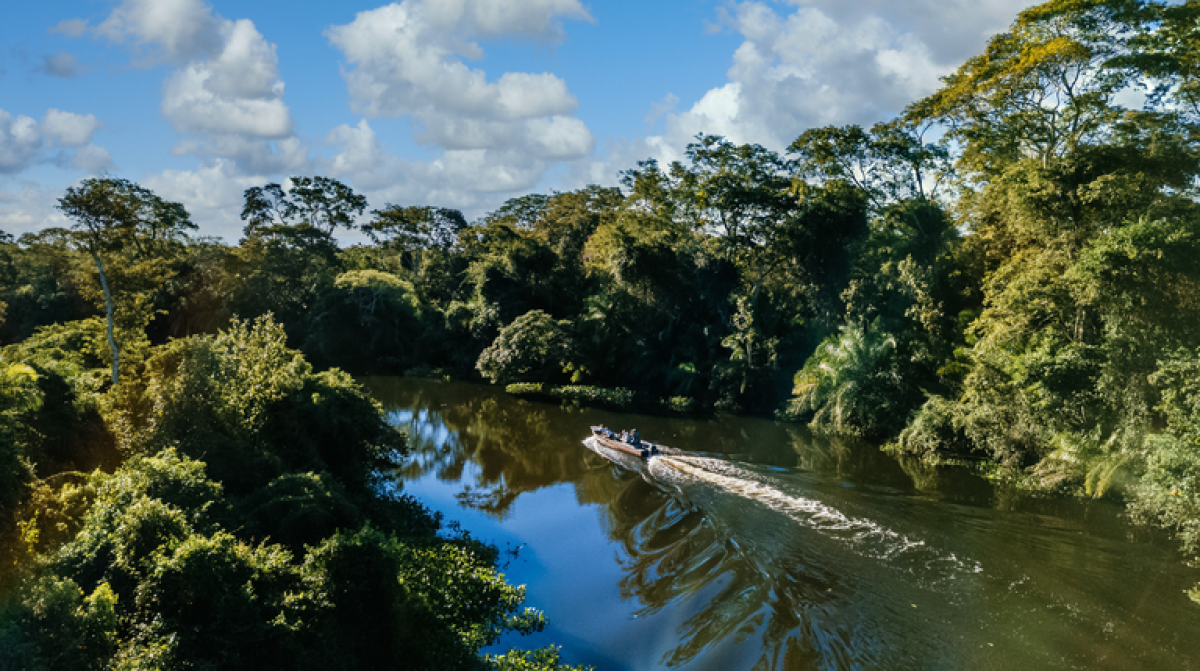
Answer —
1041 89
739 193
521 212
111 215
305 212
892 162
415 227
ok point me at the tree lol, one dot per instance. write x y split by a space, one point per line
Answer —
521 212
1075 207
1041 89
304 212
1166 50
533 348
891 163
416 227
740 195
253 408
112 215
737 192
19 397
366 321
41 282
852 385
167 554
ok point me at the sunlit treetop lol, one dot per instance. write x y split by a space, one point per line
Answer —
1046 86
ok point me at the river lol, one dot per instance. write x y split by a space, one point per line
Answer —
759 546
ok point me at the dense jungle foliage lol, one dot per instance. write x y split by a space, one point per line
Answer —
1006 273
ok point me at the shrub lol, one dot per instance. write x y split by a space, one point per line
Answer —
533 348
613 397
933 430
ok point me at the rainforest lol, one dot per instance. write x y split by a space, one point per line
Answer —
1004 280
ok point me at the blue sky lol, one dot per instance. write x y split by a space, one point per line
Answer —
455 103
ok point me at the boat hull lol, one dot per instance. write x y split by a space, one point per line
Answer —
640 452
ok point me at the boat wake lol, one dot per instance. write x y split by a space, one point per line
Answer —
737 498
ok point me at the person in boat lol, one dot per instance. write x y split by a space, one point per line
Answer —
634 439
624 436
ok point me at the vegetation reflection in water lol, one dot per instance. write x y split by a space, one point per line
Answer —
772 550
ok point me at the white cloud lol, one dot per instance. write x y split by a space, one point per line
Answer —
496 135
250 155
92 159
192 105
25 141
362 155
20 142
468 179
407 59
536 19
177 30
237 92
225 94
68 129
953 30
832 62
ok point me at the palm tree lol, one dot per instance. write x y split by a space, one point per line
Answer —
852 384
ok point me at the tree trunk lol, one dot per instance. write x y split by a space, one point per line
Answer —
108 304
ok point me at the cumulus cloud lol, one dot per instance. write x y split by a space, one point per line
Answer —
501 134
536 19
225 93
236 92
59 137
953 30
174 30
68 129
20 142
472 180
361 154
811 63
407 59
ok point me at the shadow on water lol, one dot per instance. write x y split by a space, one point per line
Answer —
761 547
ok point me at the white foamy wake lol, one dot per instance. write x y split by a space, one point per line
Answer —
862 536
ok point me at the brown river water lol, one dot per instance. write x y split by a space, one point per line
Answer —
759 546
